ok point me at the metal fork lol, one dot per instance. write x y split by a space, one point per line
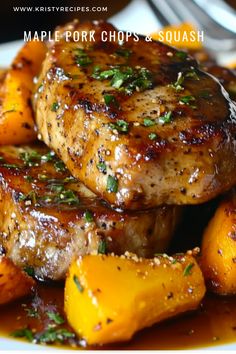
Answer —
206 15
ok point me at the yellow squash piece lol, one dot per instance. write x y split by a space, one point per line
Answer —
16 115
109 298
14 283
218 260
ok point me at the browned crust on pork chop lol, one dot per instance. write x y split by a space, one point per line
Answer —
165 134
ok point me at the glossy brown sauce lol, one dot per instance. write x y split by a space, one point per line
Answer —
213 324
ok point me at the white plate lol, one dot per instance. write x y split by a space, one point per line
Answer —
142 22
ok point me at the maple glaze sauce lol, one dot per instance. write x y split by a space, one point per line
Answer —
214 323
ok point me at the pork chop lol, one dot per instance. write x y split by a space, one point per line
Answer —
47 217
138 122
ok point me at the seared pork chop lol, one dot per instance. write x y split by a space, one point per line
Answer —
47 217
137 122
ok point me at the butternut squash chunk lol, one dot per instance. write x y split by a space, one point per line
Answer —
109 298
14 283
218 260
16 116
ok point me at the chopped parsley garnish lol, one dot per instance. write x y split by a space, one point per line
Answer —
29 271
192 74
78 284
70 179
188 100
96 69
88 216
31 196
48 157
31 158
103 75
67 197
123 52
177 85
55 317
181 55
204 94
101 166
28 178
152 136
54 106
33 313
56 186
112 184
23 333
126 79
82 58
120 125
52 335
59 166
10 165
187 270
61 196
166 118
102 247
148 122
110 100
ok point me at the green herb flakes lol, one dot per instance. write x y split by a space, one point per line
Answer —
187 270
10 166
59 166
31 158
181 55
29 271
112 184
126 79
192 74
88 216
53 335
120 125
166 119
102 247
187 99
123 52
178 84
33 313
55 106
205 94
152 136
82 58
101 166
48 157
148 122
78 284
23 333
110 100
28 178
31 196
67 197
55 317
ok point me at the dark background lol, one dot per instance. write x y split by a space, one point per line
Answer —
12 24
